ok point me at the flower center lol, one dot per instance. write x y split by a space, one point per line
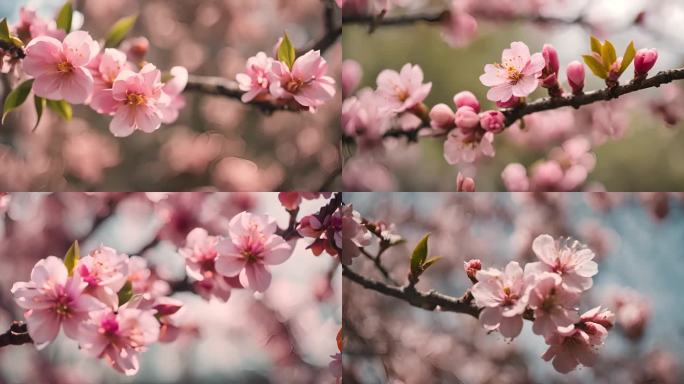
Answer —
134 98
249 256
109 326
294 85
64 67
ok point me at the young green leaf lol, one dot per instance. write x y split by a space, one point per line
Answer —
4 30
16 98
119 30
419 255
64 17
595 45
431 261
39 104
61 107
71 257
595 66
125 293
608 54
286 52
627 58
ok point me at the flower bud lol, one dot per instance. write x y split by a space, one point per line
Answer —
551 58
510 103
471 267
441 117
467 99
466 119
575 74
464 184
644 60
166 306
351 76
136 48
515 178
492 121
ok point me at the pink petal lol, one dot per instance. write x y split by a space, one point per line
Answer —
258 277
525 86
501 92
79 48
123 123
103 102
493 76
76 86
510 327
43 326
490 318
278 250
42 55
50 269
544 246
229 265
147 119
48 85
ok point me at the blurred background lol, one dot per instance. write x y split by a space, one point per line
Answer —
639 246
636 150
285 335
216 142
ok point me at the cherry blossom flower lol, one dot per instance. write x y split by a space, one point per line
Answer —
200 263
515 178
572 262
464 183
105 68
504 297
575 75
461 27
366 118
353 234
30 26
118 336
144 282
173 88
351 76
306 82
467 148
53 299
632 312
60 68
105 272
402 90
252 245
554 307
138 99
255 81
516 75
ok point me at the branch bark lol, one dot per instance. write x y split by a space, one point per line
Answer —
16 335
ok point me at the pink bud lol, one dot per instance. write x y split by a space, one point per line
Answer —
466 99
136 48
551 58
467 119
575 73
464 184
167 306
492 121
515 179
471 267
351 76
510 103
441 117
644 60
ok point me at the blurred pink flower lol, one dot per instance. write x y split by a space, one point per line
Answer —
251 246
353 234
504 298
554 307
571 261
515 178
118 336
516 75
105 68
256 80
59 68
173 88
402 90
467 148
200 257
351 76
53 299
306 82
30 26
105 271
461 27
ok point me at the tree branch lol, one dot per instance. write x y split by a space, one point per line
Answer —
16 335
431 301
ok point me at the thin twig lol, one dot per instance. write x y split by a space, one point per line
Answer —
16 335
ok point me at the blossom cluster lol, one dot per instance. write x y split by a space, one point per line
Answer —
548 292
110 303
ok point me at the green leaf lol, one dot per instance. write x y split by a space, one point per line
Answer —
608 54
595 45
286 52
61 107
627 58
39 103
64 17
419 255
595 65
431 261
71 257
16 98
119 30
4 30
125 293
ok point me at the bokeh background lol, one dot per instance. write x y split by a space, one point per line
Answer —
638 242
216 142
647 157
285 335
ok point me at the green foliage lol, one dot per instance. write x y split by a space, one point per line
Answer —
286 52
16 98
61 107
71 258
65 16
119 31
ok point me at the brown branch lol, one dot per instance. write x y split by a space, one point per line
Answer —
431 301
16 335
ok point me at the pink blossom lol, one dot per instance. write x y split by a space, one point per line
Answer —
252 245
173 88
306 82
60 68
138 98
402 90
366 118
575 75
467 119
351 76
467 148
571 261
441 117
30 26
632 312
515 179
471 267
516 75
200 255
353 235
119 336
256 80
144 282
464 184
466 99
554 307
461 27
105 68
644 60
53 299
492 121
105 271
504 298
